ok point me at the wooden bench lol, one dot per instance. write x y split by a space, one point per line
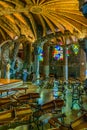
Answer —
15 115
23 113
47 110
19 89
54 106
80 123
12 89
5 102
28 98
54 122
6 117
3 91
48 107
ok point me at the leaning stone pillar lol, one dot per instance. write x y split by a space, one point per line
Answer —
29 57
82 64
4 60
85 42
0 62
46 60
36 76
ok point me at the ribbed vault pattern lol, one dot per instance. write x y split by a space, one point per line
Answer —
25 17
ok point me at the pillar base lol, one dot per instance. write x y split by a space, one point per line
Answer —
46 71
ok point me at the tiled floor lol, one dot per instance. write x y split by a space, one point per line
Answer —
47 95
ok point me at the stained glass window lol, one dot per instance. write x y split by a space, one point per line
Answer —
40 54
58 53
75 48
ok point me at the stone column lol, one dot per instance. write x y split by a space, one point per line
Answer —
36 65
67 42
86 56
29 52
46 60
5 59
82 64
0 62
66 65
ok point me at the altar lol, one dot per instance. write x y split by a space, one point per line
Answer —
10 83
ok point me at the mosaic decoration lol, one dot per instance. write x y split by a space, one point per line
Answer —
40 54
58 53
75 48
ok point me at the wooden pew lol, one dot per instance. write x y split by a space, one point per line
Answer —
54 122
48 107
19 89
23 114
15 115
28 96
4 91
47 110
57 103
5 102
80 123
13 89
23 111
6 117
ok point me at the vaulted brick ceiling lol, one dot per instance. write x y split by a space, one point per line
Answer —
26 17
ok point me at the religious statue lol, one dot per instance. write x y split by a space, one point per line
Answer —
8 70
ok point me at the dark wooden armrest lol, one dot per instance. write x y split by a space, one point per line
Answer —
61 124
4 90
18 89
79 118
52 123
83 110
33 105
37 114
